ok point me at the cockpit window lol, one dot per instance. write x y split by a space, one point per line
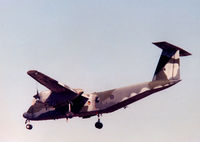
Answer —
37 106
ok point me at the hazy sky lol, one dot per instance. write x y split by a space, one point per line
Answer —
98 45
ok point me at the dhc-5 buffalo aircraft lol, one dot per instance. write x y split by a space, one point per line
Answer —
61 101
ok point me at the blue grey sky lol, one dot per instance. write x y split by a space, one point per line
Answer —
98 45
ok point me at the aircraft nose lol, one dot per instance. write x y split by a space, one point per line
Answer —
26 115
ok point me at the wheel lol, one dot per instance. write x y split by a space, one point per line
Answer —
29 126
98 125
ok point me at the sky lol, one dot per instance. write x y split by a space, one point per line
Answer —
99 45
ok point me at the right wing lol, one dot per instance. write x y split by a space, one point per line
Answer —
53 85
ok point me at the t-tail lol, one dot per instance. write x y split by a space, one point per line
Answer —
168 67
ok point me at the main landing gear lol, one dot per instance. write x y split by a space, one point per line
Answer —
69 114
28 125
98 124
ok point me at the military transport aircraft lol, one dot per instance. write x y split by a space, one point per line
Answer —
61 101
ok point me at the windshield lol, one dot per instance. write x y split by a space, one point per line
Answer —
37 106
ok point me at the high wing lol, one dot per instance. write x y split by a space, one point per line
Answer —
53 85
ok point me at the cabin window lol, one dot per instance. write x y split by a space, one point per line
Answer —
97 99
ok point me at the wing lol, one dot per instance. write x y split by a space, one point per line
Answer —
52 84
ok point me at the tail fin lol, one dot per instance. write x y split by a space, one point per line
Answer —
168 67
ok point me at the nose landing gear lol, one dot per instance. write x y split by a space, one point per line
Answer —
28 126
98 124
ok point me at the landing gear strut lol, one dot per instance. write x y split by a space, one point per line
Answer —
70 113
28 126
98 124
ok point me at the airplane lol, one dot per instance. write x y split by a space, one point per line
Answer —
61 101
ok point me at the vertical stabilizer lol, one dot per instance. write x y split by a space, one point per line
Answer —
168 67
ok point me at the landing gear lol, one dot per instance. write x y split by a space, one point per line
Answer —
98 124
28 126
69 114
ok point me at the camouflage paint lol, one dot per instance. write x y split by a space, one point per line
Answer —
166 75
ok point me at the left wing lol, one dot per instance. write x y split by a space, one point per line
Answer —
53 85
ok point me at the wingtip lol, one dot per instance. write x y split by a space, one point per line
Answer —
31 72
155 43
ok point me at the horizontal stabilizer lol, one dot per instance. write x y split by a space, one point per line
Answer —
167 46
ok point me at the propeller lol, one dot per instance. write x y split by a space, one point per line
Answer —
37 93
36 97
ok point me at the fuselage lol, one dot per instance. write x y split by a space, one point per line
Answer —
97 102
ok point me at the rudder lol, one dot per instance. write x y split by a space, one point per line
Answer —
168 67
